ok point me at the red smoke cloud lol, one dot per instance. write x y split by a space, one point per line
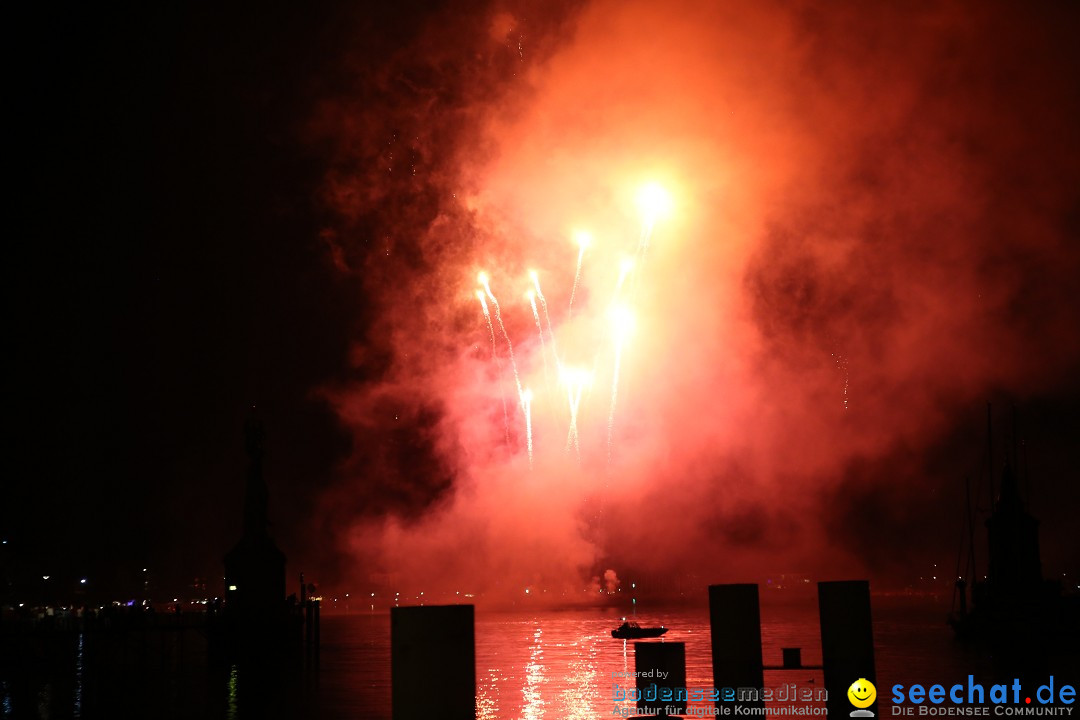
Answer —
872 228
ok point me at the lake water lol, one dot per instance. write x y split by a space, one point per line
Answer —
553 664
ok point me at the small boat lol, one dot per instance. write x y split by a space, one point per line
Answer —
633 631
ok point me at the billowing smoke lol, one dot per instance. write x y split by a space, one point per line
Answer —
871 227
611 581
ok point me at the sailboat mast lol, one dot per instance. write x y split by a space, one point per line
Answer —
990 452
971 529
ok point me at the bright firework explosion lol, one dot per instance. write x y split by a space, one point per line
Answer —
812 316
578 366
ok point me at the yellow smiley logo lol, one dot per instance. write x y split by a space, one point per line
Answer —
862 693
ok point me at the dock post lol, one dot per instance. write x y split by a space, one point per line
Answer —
735 625
847 640
661 695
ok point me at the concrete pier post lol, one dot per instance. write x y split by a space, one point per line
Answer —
735 622
847 640
661 677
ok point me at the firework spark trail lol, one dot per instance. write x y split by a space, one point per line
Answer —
646 236
543 303
531 295
576 379
498 365
574 398
567 377
614 398
583 240
842 363
483 278
551 332
487 316
653 201
623 322
526 407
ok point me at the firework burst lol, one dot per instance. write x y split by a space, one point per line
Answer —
583 334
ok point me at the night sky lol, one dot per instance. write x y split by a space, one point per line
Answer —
875 232
168 275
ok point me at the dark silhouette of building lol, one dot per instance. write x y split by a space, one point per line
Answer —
255 567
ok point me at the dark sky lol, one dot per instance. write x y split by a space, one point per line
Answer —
167 271
166 275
